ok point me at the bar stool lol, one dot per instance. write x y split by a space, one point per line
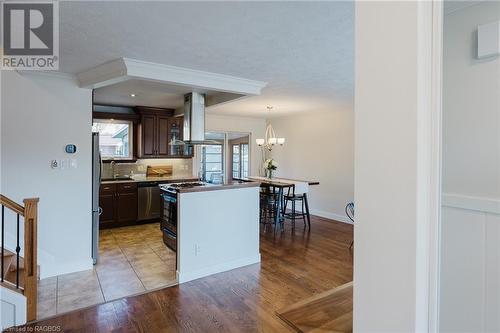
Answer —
269 201
294 198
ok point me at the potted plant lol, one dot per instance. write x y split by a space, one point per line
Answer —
270 165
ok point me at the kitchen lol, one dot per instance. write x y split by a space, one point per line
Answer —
158 174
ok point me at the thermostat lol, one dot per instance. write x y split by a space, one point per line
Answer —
70 149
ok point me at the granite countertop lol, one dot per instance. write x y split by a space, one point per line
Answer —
216 187
143 178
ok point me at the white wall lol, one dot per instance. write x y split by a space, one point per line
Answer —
12 308
255 126
40 115
218 231
392 168
471 99
319 146
470 258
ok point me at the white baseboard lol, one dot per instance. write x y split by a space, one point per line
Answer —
193 275
331 216
54 269
482 204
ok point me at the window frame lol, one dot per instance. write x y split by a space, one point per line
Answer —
203 161
240 160
100 117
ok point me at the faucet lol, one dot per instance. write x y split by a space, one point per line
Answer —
112 166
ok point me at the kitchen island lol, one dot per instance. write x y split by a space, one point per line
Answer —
217 228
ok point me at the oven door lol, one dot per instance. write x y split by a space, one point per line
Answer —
169 212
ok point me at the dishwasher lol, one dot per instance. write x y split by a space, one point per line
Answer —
148 201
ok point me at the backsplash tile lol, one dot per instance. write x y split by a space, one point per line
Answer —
181 167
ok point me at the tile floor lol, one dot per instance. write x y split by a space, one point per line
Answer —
132 260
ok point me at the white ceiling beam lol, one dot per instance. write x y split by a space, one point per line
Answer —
123 69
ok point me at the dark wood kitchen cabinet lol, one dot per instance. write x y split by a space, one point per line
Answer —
157 129
107 204
175 129
119 204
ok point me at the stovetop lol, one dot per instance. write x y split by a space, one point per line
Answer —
175 186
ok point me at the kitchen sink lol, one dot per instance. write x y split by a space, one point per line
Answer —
117 178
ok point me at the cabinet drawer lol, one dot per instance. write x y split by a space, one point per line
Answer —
126 187
107 188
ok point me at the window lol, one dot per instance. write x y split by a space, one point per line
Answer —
244 160
211 163
236 161
115 138
240 160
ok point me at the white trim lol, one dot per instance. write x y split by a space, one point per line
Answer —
332 216
434 232
480 204
124 69
219 268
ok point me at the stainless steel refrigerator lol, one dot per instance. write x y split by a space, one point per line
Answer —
96 182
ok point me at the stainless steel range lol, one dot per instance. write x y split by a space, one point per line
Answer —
169 210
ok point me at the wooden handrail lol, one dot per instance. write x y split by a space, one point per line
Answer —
12 205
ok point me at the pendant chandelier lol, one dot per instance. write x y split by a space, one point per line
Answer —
271 139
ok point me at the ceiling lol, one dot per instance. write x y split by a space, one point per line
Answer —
304 50
147 93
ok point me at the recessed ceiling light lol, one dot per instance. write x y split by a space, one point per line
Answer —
132 95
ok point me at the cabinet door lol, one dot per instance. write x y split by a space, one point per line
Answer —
126 207
107 204
163 137
148 123
175 125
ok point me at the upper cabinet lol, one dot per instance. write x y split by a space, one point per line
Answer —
157 131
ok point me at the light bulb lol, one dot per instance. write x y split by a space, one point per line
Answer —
281 141
273 141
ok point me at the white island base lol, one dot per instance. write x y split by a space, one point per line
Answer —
217 230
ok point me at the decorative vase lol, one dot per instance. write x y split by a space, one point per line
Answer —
269 174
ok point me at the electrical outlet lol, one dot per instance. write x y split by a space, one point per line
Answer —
197 249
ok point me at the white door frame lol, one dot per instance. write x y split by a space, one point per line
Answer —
436 165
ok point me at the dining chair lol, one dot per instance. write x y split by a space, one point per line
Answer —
349 211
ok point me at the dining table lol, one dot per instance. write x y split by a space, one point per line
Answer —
282 184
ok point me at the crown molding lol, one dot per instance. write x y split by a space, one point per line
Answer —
123 69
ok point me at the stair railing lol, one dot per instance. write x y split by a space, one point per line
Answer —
29 212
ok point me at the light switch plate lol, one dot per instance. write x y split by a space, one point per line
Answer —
54 164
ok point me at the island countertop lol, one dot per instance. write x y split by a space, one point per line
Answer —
235 184
143 178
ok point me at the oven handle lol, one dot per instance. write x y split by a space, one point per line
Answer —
168 198
170 233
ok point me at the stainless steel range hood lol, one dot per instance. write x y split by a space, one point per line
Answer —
194 120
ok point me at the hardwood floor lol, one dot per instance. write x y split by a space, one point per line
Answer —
330 311
294 267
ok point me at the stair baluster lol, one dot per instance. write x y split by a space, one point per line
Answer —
18 249
3 245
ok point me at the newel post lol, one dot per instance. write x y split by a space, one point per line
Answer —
30 255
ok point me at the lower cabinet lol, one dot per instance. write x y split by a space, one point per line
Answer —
119 204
